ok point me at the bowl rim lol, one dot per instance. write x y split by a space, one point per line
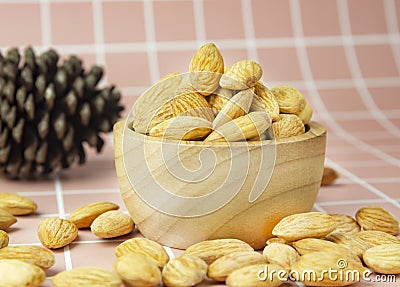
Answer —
315 130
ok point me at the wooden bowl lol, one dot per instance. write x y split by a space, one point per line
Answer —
292 188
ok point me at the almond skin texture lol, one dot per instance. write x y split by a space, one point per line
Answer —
211 250
281 254
112 224
288 126
329 176
249 276
206 67
144 246
137 270
306 114
36 255
374 237
356 245
377 218
290 100
15 273
3 239
383 258
55 232
84 216
16 204
6 219
241 75
184 271
345 223
225 265
86 277
268 100
304 225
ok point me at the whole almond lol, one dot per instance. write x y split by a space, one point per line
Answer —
288 126
83 216
306 114
112 224
241 75
320 262
377 218
55 232
211 250
290 100
267 99
16 273
36 255
6 219
16 204
137 270
353 243
345 223
86 277
206 67
329 176
237 106
259 275
144 246
281 254
304 225
375 237
3 239
184 271
248 126
182 128
383 258
225 265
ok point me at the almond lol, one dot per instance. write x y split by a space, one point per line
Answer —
353 243
184 271
225 265
36 255
6 219
16 273
112 224
281 254
345 223
377 218
375 237
211 250
329 176
86 277
383 258
306 114
84 215
144 246
288 126
277 240
267 100
55 232
304 225
241 75
259 275
3 239
16 204
290 100
206 67
137 270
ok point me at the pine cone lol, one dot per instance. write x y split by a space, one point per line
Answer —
47 112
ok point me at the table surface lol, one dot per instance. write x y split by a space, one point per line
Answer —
343 55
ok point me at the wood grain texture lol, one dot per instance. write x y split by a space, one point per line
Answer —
293 188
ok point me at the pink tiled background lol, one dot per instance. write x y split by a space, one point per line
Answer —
343 55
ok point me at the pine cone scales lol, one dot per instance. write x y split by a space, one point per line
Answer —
47 112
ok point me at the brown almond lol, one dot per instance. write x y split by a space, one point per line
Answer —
36 255
55 232
112 224
6 219
377 218
329 177
16 204
84 216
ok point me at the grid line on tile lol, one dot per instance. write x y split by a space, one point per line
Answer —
151 41
391 22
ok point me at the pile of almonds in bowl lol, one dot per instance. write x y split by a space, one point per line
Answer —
314 248
214 103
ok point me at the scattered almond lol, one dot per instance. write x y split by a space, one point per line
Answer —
259 275
375 237
377 218
144 246
281 254
16 273
55 232
6 219
36 255
211 250
112 224
225 265
329 176
353 243
137 270
16 204
304 225
184 271
241 75
3 239
345 223
84 215
383 258
86 277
